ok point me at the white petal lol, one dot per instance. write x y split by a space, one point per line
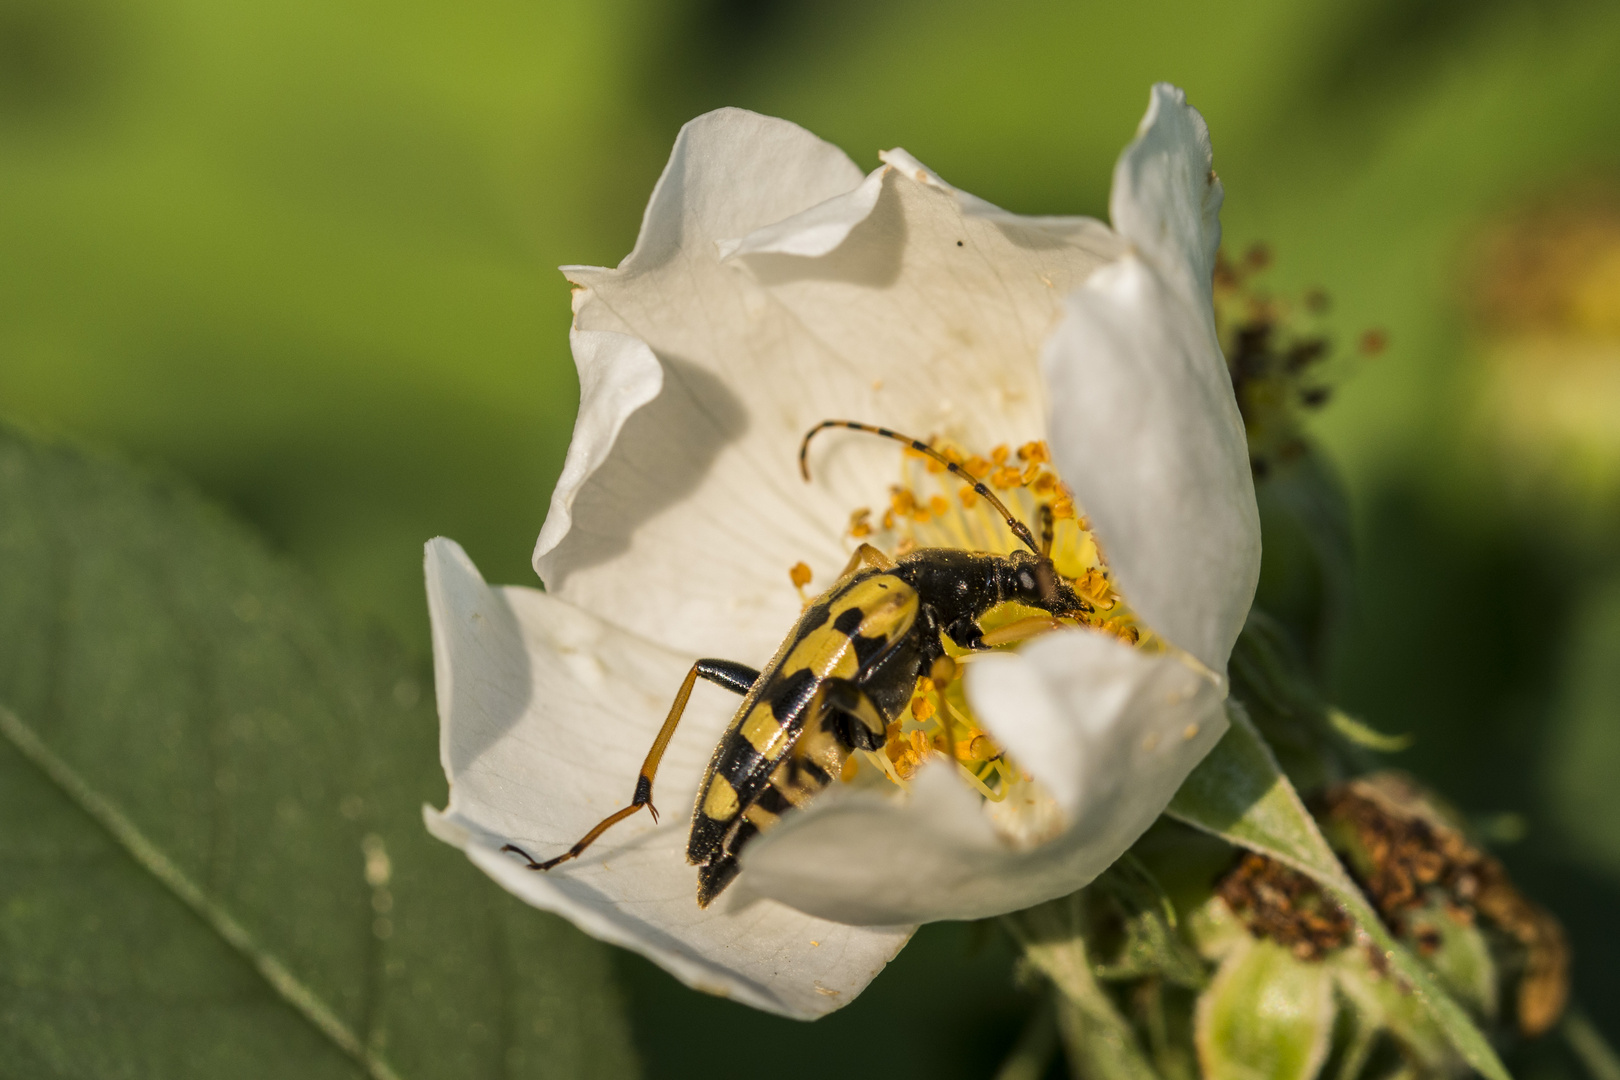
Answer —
1166 199
1099 723
1146 432
1118 731
546 713
618 374
889 303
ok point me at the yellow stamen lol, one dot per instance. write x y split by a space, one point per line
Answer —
1035 453
1006 477
980 748
1093 585
799 574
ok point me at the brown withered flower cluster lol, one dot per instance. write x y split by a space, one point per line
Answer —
1277 354
1407 853
1283 905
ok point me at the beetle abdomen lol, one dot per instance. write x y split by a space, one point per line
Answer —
776 755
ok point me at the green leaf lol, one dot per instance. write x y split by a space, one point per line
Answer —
211 855
1266 1016
1240 794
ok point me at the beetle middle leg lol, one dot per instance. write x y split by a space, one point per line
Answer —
865 726
738 678
856 721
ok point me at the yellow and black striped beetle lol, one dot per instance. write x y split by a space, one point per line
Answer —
842 676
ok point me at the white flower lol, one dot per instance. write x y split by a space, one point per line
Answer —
772 286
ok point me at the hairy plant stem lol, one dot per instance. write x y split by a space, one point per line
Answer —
1036 1044
1100 1044
1590 1047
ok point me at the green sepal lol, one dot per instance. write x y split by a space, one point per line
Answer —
1100 1042
1460 957
1381 1004
1310 576
1266 1016
1364 734
1149 939
1273 683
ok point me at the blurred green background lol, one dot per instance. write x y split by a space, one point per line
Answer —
304 254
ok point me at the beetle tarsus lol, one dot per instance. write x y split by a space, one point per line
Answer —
514 849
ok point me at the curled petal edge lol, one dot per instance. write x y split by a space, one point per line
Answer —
1058 225
821 229
813 232
732 171
618 374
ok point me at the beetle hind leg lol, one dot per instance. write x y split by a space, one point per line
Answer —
738 678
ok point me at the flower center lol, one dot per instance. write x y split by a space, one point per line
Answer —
931 508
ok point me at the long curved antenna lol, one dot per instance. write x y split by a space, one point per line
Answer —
980 489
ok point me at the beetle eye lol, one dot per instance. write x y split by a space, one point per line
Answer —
1026 581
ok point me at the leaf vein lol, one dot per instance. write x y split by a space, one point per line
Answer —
152 859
